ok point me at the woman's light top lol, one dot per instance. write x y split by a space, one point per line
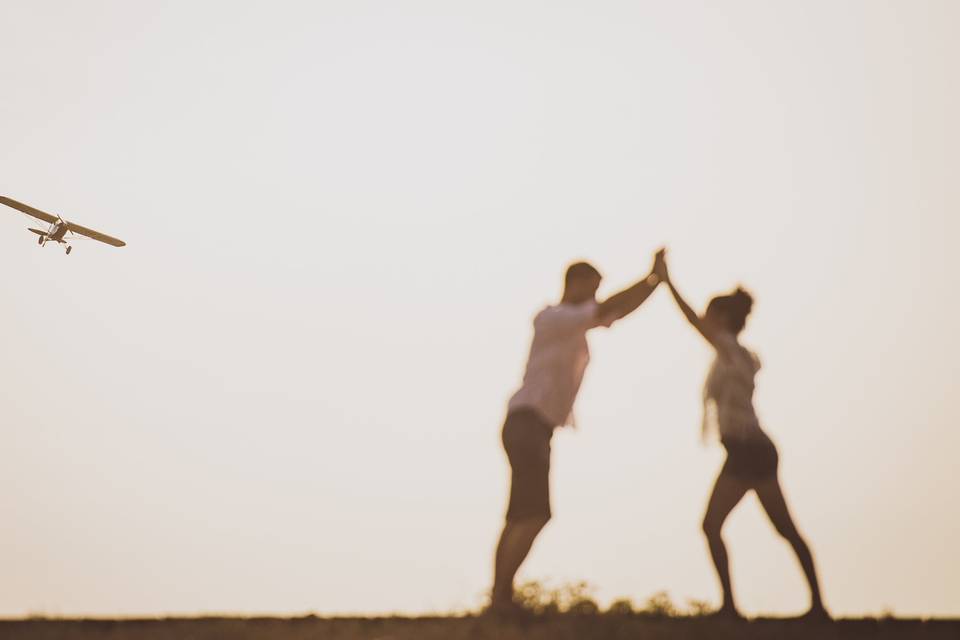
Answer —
728 392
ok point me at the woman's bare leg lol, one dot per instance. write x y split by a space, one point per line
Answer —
727 493
771 497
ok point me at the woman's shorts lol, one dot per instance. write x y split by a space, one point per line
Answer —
752 459
526 439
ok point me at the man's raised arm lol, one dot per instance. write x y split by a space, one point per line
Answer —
626 302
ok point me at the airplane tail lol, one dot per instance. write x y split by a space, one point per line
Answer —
38 231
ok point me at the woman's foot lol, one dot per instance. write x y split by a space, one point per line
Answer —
817 613
726 612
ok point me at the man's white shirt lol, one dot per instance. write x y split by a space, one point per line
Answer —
558 359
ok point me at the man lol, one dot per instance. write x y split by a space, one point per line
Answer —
555 367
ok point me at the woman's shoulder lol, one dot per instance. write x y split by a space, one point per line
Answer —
726 345
730 349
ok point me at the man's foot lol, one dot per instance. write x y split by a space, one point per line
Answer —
502 608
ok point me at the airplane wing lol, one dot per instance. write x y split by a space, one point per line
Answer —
50 219
27 209
96 235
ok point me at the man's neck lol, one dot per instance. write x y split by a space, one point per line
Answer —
567 300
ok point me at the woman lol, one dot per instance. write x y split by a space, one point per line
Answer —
751 456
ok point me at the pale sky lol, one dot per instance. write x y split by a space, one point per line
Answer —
285 394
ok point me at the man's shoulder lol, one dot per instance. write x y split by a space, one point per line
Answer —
569 309
565 316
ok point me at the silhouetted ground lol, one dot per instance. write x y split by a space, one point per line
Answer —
556 627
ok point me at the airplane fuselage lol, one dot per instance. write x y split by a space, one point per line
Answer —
57 231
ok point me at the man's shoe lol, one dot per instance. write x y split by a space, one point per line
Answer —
507 610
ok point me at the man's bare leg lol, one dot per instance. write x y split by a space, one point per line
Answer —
515 544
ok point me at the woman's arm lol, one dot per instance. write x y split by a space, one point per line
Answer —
698 323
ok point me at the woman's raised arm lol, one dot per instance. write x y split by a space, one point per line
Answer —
698 323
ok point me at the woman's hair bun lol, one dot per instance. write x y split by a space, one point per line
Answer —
742 300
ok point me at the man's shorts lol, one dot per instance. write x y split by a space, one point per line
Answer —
526 439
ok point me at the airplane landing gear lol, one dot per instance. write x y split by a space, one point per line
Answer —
69 249
40 241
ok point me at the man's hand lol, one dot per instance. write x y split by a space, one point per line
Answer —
660 265
626 302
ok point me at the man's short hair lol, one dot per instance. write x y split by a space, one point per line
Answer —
579 271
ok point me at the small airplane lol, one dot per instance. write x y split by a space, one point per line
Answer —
59 228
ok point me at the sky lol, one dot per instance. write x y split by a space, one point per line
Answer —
285 394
